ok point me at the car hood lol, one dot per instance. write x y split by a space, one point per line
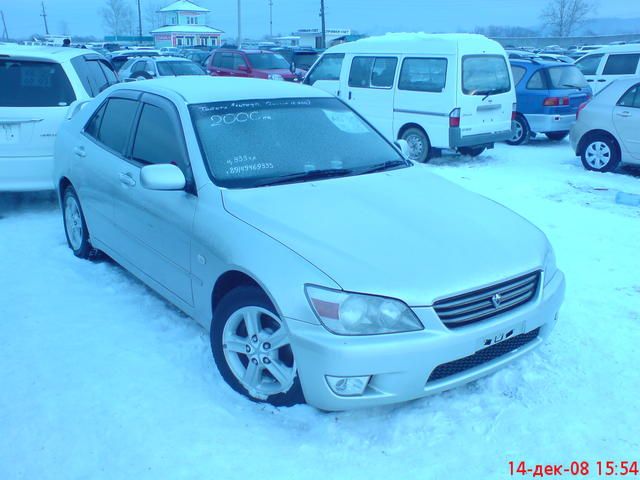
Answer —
404 233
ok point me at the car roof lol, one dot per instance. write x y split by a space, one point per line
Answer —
205 89
243 50
629 48
57 54
420 44
537 62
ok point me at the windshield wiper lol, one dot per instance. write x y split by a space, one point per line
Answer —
568 85
489 92
381 167
305 176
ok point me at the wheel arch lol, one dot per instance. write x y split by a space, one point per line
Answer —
409 125
232 279
63 184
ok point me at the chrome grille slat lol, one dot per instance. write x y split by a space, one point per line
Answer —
478 305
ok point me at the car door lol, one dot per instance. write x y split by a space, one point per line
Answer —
626 119
97 159
618 65
325 73
240 66
370 90
156 225
224 64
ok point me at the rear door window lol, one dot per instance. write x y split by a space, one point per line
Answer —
95 74
423 74
518 73
34 84
631 99
116 123
372 72
327 68
621 64
226 61
537 81
485 74
589 65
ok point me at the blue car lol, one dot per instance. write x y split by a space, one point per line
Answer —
548 95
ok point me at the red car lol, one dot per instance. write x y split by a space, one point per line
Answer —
252 63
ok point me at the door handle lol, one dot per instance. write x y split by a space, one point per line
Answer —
126 179
601 80
79 151
624 114
349 95
590 80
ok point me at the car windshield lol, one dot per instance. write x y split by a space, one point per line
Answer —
485 75
259 142
178 68
304 60
267 61
567 77
34 84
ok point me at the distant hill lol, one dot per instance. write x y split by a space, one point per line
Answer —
610 26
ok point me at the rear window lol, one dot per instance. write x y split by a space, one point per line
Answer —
626 64
423 74
34 84
566 77
267 61
179 68
485 75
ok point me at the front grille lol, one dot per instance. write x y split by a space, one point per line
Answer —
482 356
488 302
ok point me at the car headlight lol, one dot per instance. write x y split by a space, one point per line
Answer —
275 76
549 267
356 314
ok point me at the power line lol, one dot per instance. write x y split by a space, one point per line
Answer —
44 16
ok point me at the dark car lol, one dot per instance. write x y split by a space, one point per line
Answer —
548 97
121 58
252 63
302 58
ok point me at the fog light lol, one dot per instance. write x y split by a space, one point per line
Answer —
348 386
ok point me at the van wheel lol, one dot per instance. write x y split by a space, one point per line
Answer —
520 130
600 153
557 136
471 151
419 145
251 347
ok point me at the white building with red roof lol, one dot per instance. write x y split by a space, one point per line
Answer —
185 26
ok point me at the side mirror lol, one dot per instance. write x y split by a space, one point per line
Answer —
165 176
403 146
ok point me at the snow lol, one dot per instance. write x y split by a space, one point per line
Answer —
102 379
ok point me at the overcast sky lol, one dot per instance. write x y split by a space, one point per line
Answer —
370 16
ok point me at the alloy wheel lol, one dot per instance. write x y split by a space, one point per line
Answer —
73 222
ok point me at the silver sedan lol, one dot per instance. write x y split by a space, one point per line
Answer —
327 267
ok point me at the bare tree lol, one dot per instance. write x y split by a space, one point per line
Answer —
563 17
152 16
117 17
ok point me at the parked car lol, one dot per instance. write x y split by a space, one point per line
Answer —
442 92
606 64
120 57
607 129
299 57
252 63
549 95
151 67
197 56
38 84
171 51
375 307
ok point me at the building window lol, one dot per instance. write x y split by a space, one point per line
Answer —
192 20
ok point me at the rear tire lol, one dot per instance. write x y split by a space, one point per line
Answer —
521 131
250 345
601 153
75 226
419 144
557 136
471 151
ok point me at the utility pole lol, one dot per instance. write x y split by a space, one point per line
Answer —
324 29
44 16
5 34
139 23
271 18
239 25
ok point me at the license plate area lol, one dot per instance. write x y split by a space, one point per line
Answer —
498 336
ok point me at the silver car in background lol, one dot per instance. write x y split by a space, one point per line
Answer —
327 267
607 130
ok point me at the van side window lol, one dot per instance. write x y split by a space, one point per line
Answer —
383 72
631 98
589 64
423 74
360 72
518 73
621 64
536 82
327 68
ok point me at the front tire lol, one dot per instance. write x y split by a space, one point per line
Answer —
75 226
557 136
419 144
521 131
251 348
600 153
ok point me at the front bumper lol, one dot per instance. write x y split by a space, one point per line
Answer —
456 140
400 364
540 123
26 174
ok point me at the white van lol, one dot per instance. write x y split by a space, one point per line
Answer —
604 65
37 85
449 91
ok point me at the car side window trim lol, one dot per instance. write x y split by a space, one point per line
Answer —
636 97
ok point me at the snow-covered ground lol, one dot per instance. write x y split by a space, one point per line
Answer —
101 379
